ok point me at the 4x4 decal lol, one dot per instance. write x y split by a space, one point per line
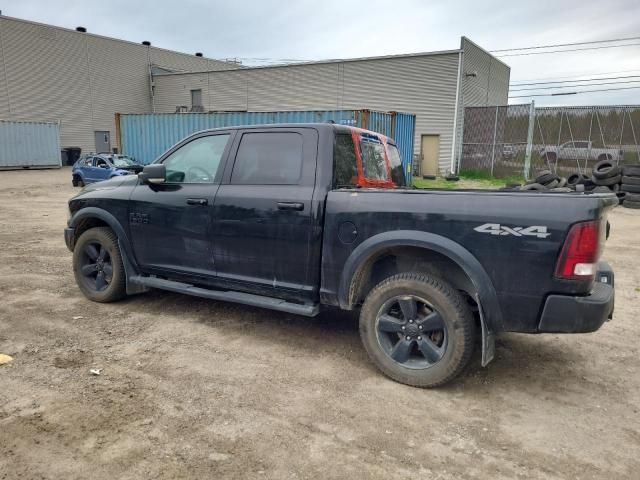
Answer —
538 231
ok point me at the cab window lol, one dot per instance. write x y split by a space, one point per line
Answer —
397 171
374 165
197 161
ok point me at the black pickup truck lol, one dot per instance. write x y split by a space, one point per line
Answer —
302 217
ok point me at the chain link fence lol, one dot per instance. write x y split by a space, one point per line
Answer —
519 140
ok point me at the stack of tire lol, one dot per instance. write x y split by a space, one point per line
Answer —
547 180
631 186
606 176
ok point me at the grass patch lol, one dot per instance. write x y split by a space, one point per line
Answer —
486 176
468 179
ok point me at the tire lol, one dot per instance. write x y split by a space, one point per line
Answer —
630 180
545 178
448 349
576 179
634 197
630 188
631 170
605 169
97 265
552 184
628 204
533 186
601 189
429 177
608 180
77 181
562 182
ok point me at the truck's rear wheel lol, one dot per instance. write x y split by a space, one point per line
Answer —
97 265
417 329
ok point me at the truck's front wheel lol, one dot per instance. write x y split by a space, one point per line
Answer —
417 329
97 265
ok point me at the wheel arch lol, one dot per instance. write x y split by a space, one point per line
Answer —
90 217
462 268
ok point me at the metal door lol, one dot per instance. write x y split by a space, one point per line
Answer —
103 141
430 150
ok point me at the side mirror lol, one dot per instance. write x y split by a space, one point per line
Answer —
154 173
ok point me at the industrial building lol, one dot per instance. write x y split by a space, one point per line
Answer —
436 86
82 80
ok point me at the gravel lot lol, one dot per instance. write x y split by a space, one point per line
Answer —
192 388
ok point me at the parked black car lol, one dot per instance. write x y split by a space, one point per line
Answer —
308 216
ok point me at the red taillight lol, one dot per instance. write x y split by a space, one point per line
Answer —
580 252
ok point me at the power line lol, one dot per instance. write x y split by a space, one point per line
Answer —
568 50
565 44
574 93
571 86
574 81
574 75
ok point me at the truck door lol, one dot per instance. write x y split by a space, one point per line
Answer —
170 223
262 213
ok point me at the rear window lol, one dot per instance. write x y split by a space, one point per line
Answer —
271 158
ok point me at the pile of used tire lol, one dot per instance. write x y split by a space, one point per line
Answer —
630 186
547 180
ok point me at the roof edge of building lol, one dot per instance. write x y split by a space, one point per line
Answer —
130 42
463 39
323 62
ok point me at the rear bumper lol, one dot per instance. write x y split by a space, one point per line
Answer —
567 314
68 238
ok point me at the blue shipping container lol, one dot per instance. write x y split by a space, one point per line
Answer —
147 136
29 144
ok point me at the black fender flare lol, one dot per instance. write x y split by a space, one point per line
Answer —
112 221
487 298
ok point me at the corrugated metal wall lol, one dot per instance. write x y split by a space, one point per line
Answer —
422 84
146 137
29 144
79 79
489 85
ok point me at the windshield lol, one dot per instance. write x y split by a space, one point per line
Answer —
123 161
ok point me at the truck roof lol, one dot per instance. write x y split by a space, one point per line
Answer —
319 125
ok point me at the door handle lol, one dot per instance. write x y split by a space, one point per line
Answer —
197 201
291 206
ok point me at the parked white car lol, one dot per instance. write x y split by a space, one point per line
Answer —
579 150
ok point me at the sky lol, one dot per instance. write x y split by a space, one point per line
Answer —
272 31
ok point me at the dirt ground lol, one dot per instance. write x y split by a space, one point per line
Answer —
192 388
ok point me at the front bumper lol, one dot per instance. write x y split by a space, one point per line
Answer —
68 238
567 314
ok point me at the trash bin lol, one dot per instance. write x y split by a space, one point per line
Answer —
64 157
73 154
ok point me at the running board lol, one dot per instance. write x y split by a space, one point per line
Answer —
308 310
